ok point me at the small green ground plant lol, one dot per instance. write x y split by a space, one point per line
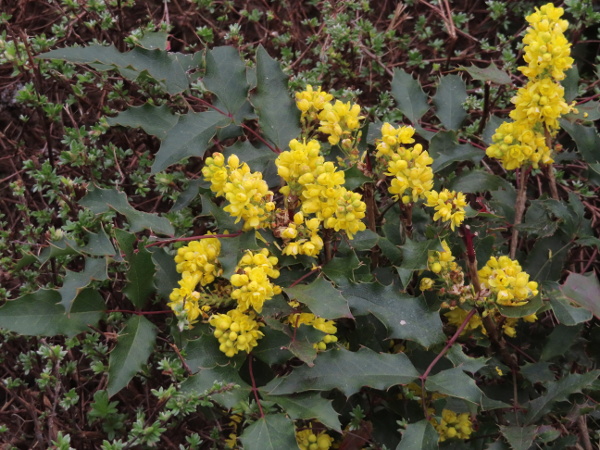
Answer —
323 277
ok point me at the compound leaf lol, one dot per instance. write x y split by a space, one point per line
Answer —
307 406
271 432
154 120
322 298
75 282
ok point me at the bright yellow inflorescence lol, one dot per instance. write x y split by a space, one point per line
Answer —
308 440
449 206
453 425
457 315
247 193
441 262
340 121
319 323
508 284
236 331
409 167
539 104
252 280
311 102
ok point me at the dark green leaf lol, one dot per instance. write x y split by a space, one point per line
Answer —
154 39
134 345
140 274
586 111
226 78
465 362
271 432
154 120
190 136
102 200
364 240
404 316
519 438
586 138
322 298
455 383
583 290
558 391
445 150
355 178
224 220
448 100
273 347
571 83
531 307
490 73
476 180
407 91
204 353
75 282
348 372
166 277
341 269
414 254
205 379
307 406
40 314
233 248
420 435
559 342
566 313
125 241
278 116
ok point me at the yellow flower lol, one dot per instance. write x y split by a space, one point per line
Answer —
449 206
453 425
252 280
319 323
310 102
200 257
308 440
236 331
339 120
508 284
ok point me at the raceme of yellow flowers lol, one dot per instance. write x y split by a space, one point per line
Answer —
310 440
453 425
540 103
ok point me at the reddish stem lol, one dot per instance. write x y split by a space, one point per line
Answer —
193 238
254 388
304 277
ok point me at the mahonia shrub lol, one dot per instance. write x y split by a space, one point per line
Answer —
352 283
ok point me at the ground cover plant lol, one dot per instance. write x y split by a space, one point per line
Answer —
325 225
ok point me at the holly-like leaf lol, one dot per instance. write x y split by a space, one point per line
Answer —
414 254
236 389
558 391
307 406
420 435
190 136
566 313
204 353
166 277
519 438
100 201
355 178
226 78
407 91
404 316
273 348
490 73
41 314
465 362
476 180
141 271
586 138
271 432
75 282
233 248
448 100
445 150
134 345
347 371
278 117
455 383
154 120
322 299
583 290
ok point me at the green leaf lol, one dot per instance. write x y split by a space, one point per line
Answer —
571 83
347 371
420 435
233 248
586 138
465 362
75 282
100 201
154 120
364 240
125 241
271 432
490 73
341 269
322 299
205 379
204 353
559 342
141 271
476 180
583 290
134 345
448 100
154 39
404 316
565 312
226 78
445 150
455 383
98 244
414 254
224 220
273 346
307 406
278 116
591 108
355 178
190 136
166 277
169 69
519 438
407 91
516 312
40 313
558 391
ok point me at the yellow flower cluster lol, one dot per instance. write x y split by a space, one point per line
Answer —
318 186
449 206
319 323
441 262
457 315
410 167
308 440
198 264
311 102
247 193
340 120
453 425
236 331
252 280
539 104
509 285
